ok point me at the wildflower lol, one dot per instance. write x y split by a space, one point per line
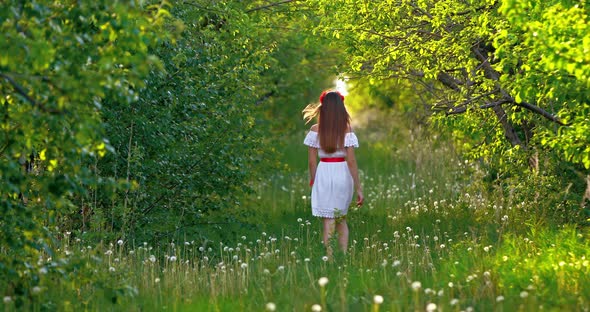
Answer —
173 258
299 220
281 268
43 270
108 252
120 242
396 263
157 280
271 306
36 290
378 299
244 265
266 272
316 308
152 258
323 281
442 246
112 269
201 249
486 248
306 259
325 258
431 307
524 294
416 285
8 299
499 298
454 301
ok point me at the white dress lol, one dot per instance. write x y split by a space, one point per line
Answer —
333 186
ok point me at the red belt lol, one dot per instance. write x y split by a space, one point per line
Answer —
335 159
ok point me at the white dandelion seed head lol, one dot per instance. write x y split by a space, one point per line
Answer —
120 242
244 265
524 294
157 280
8 299
325 258
416 285
316 308
499 298
431 307
152 258
173 258
323 281
36 290
112 269
454 301
271 306
377 299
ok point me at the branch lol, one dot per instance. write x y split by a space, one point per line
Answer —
19 89
270 5
540 111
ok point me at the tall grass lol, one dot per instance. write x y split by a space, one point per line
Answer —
429 237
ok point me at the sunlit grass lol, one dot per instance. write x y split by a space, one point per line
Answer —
427 239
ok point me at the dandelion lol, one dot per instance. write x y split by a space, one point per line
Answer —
396 263
152 258
325 258
173 258
442 246
43 270
306 259
378 299
271 306
299 220
323 281
266 271
244 266
316 308
281 268
499 298
486 248
120 242
524 294
36 290
108 252
454 301
112 269
8 299
157 280
416 285
431 307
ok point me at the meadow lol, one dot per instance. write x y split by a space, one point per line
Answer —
430 237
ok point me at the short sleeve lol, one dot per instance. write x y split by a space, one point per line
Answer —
351 140
311 139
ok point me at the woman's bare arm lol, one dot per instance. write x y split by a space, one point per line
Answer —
312 160
353 168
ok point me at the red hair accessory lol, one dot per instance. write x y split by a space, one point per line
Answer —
323 95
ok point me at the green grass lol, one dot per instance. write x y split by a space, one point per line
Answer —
428 234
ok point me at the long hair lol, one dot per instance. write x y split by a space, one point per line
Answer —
333 120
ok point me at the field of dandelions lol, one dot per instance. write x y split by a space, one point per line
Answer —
429 238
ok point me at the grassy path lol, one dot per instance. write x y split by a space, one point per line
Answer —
430 238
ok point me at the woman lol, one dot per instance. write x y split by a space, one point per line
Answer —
334 179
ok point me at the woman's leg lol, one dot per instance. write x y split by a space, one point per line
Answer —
342 229
328 232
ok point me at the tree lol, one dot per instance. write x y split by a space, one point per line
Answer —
58 61
516 71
